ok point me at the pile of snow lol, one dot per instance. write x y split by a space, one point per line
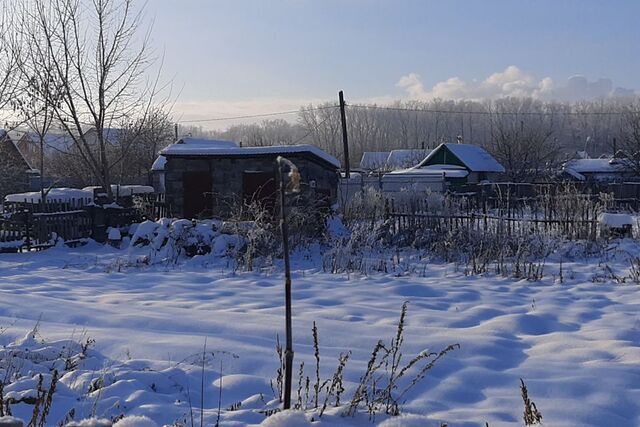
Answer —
87 383
615 220
12 244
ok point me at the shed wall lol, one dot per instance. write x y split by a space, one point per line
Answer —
227 179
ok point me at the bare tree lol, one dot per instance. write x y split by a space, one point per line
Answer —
140 144
8 57
100 63
522 139
322 124
39 91
630 133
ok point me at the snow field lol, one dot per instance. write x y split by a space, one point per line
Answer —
576 344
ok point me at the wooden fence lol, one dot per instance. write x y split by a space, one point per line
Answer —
570 215
623 196
28 230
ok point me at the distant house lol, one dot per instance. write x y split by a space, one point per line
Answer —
15 170
446 165
597 170
111 136
472 161
403 159
207 178
374 161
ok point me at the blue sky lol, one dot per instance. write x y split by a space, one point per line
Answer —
252 56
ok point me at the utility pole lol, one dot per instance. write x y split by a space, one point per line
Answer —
345 138
175 128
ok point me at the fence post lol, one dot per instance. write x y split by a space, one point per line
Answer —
27 228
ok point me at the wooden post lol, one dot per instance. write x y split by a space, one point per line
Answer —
27 228
288 353
345 139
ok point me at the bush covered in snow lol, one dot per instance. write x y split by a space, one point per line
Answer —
170 240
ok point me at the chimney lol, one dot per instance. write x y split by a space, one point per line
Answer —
459 139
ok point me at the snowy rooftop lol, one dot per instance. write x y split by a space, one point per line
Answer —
447 171
372 160
130 190
159 163
476 158
56 140
59 142
123 190
607 166
58 194
204 147
595 166
196 146
398 159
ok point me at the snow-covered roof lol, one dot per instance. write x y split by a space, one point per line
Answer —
110 135
211 148
58 142
600 169
476 158
196 146
123 190
9 139
53 140
372 160
130 190
448 171
596 166
63 194
159 164
401 159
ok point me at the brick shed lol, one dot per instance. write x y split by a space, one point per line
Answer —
207 178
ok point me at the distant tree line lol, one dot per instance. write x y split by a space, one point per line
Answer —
529 137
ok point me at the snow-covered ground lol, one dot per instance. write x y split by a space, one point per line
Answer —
576 343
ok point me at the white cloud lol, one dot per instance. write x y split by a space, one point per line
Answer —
511 82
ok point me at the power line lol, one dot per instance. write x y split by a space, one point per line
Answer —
252 116
315 128
515 113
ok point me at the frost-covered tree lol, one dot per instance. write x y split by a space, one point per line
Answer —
522 138
630 141
101 62
8 57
